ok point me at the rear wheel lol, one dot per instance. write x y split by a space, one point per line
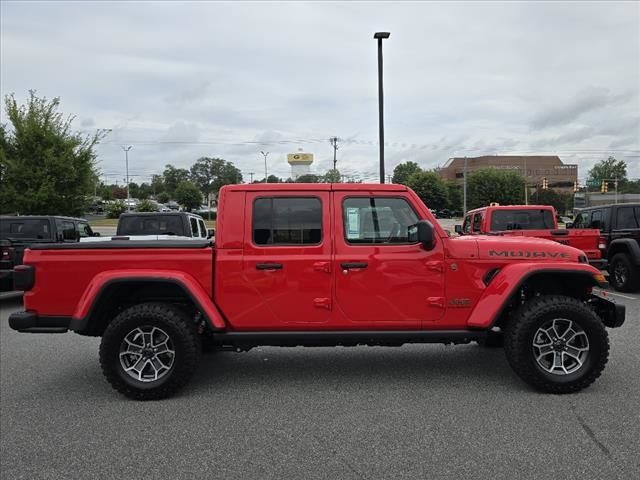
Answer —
623 274
149 351
556 344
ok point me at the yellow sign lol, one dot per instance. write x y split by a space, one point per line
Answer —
300 158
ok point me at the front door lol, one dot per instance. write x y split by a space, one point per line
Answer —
287 260
381 279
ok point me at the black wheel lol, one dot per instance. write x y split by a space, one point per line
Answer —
556 344
623 274
149 351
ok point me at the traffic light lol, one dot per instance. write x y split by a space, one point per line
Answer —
604 188
545 183
575 186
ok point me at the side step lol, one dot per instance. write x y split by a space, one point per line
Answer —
246 340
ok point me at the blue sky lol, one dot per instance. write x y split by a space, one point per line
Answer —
182 80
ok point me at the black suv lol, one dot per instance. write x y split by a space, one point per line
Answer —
19 232
619 241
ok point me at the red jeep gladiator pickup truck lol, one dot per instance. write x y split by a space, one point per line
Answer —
538 221
319 265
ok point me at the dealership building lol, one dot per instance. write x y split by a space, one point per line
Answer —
534 168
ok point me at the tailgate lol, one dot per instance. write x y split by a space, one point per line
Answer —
584 239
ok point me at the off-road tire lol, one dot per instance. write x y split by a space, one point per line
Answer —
519 337
184 338
631 281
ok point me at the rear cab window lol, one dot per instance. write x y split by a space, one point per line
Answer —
477 222
150 225
377 220
287 221
512 219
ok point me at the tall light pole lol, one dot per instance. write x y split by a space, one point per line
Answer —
526 193
381 36
265 165
464 188
126 149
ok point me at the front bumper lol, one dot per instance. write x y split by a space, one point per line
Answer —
611 314
30 322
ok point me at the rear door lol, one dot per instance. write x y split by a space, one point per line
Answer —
286 260
381 279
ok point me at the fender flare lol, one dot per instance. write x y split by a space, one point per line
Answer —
102 281
628 244
509 279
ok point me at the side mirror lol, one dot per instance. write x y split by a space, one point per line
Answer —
422 232
96 234
211 232
458 229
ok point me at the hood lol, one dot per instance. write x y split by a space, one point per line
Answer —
526 248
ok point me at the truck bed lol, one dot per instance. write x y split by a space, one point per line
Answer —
583 239
67 270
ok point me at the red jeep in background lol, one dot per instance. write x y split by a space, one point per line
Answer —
538 221
320 265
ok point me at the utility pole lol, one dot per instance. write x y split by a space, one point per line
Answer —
126 149
464 188
380 36
251 175
265 165
526 188
334 142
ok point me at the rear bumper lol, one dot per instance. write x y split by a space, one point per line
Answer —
30 322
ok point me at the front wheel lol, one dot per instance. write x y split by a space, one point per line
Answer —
149 351
556 344
623 274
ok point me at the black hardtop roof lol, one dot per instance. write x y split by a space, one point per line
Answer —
156 214
610 205
41 217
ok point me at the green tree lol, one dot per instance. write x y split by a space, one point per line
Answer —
157 185
454 193
608 169
430 188
146 206
188 195
172 177
403 171
273 179
308 178
559 200
163 197
211 174
488 185
45 167
115 209
332 176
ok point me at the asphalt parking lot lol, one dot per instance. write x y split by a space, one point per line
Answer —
421 411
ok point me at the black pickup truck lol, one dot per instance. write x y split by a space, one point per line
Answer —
619 241
20 232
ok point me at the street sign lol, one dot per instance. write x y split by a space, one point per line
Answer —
593 183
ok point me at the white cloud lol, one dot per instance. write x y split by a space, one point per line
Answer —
182 80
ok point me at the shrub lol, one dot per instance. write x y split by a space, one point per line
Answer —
146 206
115 209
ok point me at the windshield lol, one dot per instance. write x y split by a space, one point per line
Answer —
521 220
31 228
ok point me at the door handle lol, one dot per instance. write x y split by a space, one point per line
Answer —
268 266
348 265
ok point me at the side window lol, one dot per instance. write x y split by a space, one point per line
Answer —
194 227
625 218
466 226
203 229
85 230
287 221
377 220
596 219
67 230
477 222
579 221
